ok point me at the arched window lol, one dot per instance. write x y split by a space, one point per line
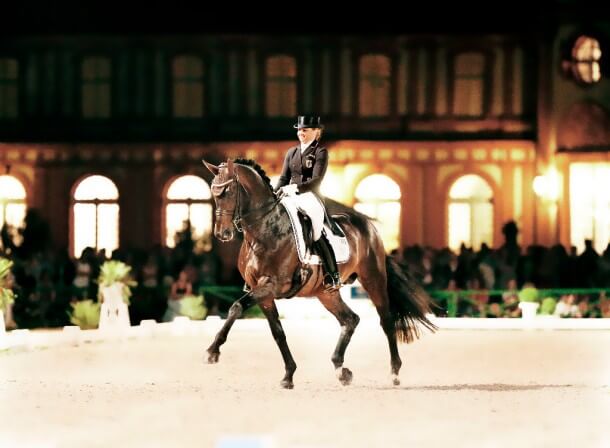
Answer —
590 205
374 90
12 205
188 98
470 213
188 200
332 186
281 86
96 78
96 215
468 84
586 56
378 196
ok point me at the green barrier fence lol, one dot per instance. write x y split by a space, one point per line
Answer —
450 303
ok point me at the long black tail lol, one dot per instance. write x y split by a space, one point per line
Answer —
409 303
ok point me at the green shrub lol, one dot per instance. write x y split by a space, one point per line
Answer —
85 314
6 295
548 305
193 307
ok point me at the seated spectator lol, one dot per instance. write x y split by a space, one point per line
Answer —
150 273
83 270
566 307
604 305
180 288
585 308
510 299
480 297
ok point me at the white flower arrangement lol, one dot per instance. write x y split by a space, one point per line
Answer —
114 271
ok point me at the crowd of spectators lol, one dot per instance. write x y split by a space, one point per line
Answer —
46 281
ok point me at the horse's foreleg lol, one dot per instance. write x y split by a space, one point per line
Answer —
236 310
268 306
348 321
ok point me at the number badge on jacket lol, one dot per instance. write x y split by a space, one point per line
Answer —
309 161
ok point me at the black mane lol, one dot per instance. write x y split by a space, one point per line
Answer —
256 167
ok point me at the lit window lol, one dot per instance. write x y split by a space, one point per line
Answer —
9 81
281 86
188 200
468 84
332 187
96 79
590 205
188 87
375 76
586 55
470 213
96 215
378 197
12 205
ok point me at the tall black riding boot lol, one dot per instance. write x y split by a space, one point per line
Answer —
332 279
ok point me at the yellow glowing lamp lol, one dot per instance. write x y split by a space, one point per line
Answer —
548 186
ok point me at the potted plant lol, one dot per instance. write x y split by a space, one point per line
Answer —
528 301
6 294
114 292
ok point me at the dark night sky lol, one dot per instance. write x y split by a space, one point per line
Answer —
134 17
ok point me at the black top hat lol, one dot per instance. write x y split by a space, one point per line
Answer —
308 121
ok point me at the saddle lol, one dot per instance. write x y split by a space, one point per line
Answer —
302 229
332 225
329 222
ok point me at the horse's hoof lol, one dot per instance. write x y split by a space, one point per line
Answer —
395 380
287 384
213 357
345 375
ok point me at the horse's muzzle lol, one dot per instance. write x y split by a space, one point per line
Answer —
225 235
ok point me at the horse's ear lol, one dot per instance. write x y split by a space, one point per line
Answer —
213 168
230 167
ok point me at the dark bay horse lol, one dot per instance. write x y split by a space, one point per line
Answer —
269 263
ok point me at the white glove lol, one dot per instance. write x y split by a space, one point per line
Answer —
289 190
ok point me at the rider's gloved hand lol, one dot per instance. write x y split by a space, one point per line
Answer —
289 190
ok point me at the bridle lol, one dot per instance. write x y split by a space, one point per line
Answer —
239 219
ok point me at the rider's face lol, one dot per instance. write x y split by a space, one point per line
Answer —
307 135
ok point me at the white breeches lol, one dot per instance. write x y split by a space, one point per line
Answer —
309 204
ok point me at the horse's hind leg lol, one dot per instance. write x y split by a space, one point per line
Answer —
270 310
348 321
236 310
376 286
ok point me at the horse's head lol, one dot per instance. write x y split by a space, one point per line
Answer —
225 191
241 190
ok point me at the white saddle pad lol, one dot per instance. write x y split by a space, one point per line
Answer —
338 243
